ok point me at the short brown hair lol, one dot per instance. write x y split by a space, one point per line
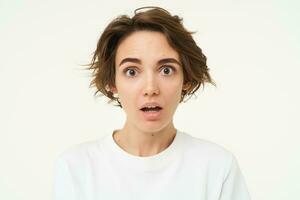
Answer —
195 70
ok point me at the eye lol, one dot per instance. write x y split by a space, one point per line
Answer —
168 69
130 72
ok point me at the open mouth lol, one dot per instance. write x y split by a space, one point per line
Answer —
151 113
151 109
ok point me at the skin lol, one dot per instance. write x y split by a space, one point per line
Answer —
138 83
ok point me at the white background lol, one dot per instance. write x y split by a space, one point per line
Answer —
46 104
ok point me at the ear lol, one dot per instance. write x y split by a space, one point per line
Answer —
186 86
113 90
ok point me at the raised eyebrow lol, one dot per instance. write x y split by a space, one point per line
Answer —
134 60
168 60
160 62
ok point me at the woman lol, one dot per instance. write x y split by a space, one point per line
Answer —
148 64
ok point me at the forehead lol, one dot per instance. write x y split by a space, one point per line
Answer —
145 45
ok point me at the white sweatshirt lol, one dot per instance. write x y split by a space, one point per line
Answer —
188 169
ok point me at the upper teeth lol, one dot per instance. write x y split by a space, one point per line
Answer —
151 106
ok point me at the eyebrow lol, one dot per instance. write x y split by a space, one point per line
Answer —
160 62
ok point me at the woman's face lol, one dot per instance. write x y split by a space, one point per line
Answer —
148 70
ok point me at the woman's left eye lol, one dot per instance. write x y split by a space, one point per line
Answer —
167 69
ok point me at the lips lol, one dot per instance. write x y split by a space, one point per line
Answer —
146 109
151 105
151 112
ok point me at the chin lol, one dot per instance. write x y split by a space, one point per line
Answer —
152 126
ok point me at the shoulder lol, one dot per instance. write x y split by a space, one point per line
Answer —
78 153
205 151
204 146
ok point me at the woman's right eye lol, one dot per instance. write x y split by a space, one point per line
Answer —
130 72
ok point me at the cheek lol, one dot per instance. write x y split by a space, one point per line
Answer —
173 89
127 95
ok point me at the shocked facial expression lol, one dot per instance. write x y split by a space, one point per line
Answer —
148 74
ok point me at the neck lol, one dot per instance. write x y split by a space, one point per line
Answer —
139 143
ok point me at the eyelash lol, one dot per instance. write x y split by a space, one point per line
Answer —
164 66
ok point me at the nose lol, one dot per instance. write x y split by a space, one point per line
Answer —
151 86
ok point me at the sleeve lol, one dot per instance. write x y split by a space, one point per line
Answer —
63 188
234 186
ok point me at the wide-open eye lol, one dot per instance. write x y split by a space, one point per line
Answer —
168 69
129 71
